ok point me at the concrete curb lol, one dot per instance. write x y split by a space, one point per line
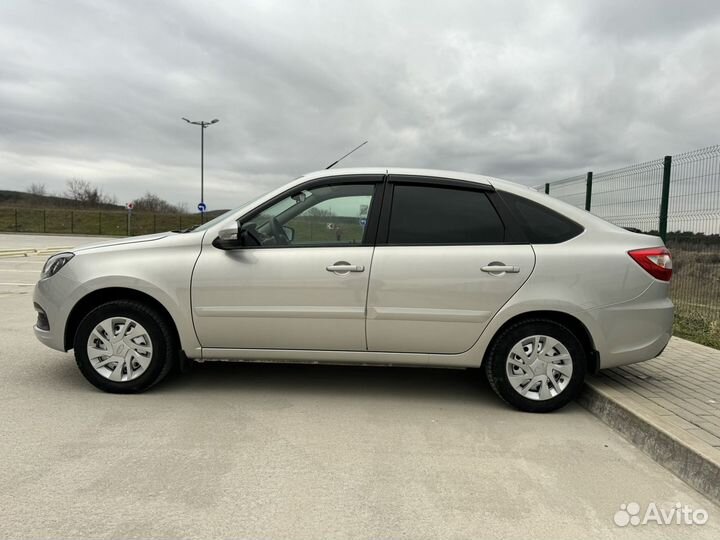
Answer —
689 458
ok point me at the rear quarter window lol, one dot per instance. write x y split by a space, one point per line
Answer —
540 224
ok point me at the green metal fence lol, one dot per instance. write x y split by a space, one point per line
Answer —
678 198
61 221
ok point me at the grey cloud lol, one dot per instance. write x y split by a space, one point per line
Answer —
633 20
524 90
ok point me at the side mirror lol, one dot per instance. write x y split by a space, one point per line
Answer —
228 238
289 232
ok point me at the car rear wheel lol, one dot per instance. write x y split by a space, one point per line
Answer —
536 365
124 347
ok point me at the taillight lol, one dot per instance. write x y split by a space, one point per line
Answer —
656 261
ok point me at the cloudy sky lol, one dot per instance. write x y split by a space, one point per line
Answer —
529 91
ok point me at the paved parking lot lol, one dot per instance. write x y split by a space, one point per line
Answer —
250 451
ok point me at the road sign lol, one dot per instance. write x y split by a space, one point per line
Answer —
130 206
202 207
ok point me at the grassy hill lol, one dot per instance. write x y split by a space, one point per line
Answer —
17 199
27 212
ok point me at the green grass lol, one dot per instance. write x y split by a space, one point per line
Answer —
314 229
101 222
695 291
697 327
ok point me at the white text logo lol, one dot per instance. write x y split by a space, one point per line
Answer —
676 514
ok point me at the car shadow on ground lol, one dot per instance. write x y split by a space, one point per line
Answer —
449 385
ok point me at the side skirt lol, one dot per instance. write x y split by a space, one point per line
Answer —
340 357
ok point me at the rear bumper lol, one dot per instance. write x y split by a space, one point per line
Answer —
634 331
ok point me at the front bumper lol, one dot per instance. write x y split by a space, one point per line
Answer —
51 295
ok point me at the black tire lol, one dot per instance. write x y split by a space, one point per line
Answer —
495 364
164 354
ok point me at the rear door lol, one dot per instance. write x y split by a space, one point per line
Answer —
444 264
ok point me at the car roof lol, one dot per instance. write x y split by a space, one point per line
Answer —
480 179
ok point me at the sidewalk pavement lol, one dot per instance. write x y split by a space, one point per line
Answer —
670 408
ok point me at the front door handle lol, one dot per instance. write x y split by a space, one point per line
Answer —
342 267
494 268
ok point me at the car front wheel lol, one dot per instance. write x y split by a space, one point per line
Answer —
124 346
537 365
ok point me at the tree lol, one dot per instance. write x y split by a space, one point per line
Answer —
37 189
85 193
150 202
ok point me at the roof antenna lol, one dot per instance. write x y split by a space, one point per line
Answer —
346 155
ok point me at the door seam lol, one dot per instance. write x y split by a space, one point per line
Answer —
367 297
372 256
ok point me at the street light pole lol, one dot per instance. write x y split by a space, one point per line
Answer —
203 126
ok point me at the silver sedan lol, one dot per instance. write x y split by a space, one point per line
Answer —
370 266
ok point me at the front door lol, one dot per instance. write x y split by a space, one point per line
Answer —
304 286
442 271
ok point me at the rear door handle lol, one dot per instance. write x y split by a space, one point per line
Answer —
500 268
344 268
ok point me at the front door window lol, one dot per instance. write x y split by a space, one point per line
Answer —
324 216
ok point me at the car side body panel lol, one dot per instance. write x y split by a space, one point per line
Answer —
626 311
282 298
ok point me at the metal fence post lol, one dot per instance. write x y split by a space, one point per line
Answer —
588 191
72 221
547 188
665 197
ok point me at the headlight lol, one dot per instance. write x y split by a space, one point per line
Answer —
55 263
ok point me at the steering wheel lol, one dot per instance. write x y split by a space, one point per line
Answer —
281 239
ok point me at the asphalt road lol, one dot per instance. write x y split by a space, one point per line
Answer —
273 451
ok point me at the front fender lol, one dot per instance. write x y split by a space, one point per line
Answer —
176 302
160 269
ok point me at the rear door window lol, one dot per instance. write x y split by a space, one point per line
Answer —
423 214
